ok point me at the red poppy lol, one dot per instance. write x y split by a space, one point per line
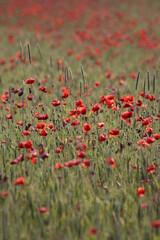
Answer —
114 132
111 162
56 103
157 136
43 89
96 108
126 115
79 103
93 231
141 191
138 103
30 81
20 181
100 125
150 169
43 117
73 162
58 150
146 121
96 84
42 210
86 127
17 160
3 194
75 123
81 154
102 137
156 224
58 166
127 99
142 143
86 163
41 125
43 133
26 133
20 105
50 126
9 116
150 140
66 93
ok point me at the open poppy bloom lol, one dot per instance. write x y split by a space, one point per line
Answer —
156 224
58 166
111 162
86 127
93 231
126 115
19 181
102 137
141 191
41 125
42 210
114 132
56 103
96 108
30 81
100 125
86 163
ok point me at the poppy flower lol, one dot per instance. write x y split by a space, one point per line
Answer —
58 150
156 224
83 110
150 169
56 103
108 75
75 123
41 125
126 115
102 137
26 133
50 126
157 136
66 93
86 127
79 103
43 117
150 140
141 191
73 162
43 89
42 210
30 81
142 143
144 205
96 84
58 166
96 108
3 194
93 231
100 125
19 181
102 99
114 132
138 103
9 116
43 133
111 162
17 160
81 154
86 163
146 121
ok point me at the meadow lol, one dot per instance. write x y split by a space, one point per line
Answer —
79 120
